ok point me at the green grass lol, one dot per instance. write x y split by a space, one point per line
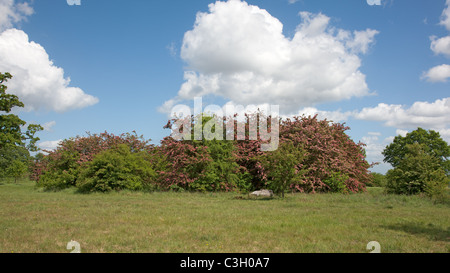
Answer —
32 220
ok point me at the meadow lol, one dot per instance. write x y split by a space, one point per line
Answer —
35 221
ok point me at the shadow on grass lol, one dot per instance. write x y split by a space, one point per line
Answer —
431 231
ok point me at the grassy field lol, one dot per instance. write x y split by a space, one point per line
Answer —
32 220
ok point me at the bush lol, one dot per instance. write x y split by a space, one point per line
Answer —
377 180
117 169
336 182
61 168
284 167
199 165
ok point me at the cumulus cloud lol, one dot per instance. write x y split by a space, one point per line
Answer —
421 114
373 148
238 52
49 145
36 80
335 116
12 13
440 73
445 18
441 45
401 132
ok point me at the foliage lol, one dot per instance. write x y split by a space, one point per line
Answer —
10 156
336 182
15 144
313 156
417 172
377 180
62 167
434 145
284 167
11 125
199 165
117 169
330 151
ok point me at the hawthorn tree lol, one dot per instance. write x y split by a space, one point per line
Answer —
15 144
334 161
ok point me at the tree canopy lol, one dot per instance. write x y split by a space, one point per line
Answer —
434 145
15 143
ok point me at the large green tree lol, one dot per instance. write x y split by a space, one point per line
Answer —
417 172
16 139
432 143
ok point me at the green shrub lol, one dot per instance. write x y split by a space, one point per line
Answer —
336 182
284 167
58 180
377 180
117 169
220 173
436 185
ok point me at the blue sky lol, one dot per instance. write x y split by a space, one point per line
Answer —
119 66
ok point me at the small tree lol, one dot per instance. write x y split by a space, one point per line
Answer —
17 169
284 166
417 172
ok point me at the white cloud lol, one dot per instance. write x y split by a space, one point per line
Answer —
238 52
445 134
12 13
172 49
421 114
362 40
401 132
49 145
445 19
36 80
373 148
440 73
441 45
48 126
335 116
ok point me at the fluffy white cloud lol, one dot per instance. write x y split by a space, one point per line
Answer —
401 132
36 80
12 13
441 45
49 145
420 114
445 134
238 52
445 19
440 73
335 116
373 148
